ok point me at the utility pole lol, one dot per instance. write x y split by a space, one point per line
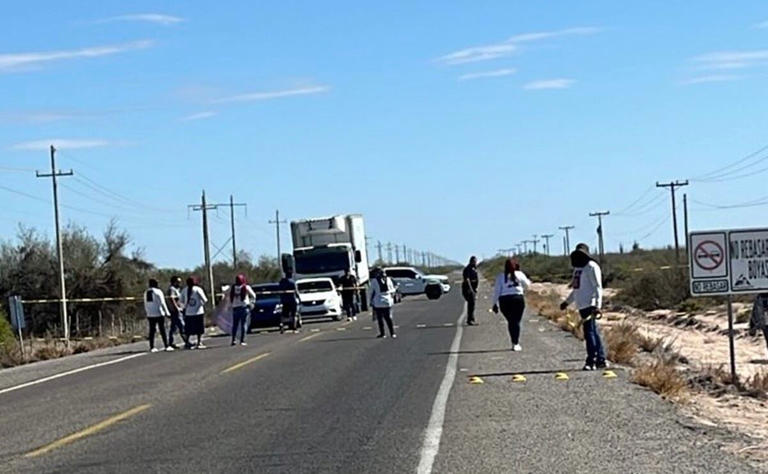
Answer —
231 205
601 243
519 248
397 254
389 253
567 229
672 185
378 247
405 253
204 208
535 242
546 238
277 223
525 246
59 248
685 219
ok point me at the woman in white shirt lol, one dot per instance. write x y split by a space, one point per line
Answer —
382 301
157 310
193 300
508 297
241 296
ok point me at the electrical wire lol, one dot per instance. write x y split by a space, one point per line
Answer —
646 208
636 201
725 171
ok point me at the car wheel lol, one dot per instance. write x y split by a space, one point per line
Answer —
434 292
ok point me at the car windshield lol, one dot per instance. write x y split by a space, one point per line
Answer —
322 262
266 292
315 286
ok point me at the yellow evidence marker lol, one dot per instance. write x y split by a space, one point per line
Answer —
609 374
561 376
518 378
475 380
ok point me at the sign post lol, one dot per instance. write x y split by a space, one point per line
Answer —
17 319
729 262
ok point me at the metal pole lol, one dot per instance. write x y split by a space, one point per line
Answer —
207 251
232 222
685 219
731 345
674 224
277 223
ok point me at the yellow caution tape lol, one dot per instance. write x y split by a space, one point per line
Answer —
475 380
518 378
561 376
609 374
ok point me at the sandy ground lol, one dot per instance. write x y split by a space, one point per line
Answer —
702 339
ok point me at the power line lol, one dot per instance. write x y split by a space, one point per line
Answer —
673 185
722 171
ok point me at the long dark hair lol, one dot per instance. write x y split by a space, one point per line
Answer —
510 267
191 282
382 279
149 295
238 287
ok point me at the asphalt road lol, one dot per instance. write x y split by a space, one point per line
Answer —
340 400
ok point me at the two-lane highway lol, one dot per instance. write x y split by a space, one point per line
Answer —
340 400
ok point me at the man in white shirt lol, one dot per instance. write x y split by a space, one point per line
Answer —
177 319
157 310
587 294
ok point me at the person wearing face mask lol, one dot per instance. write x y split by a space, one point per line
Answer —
469 284
587 294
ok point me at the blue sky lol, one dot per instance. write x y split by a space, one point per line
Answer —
460 127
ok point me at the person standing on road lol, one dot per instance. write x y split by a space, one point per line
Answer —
508 296
382 301
469 288
241 296
177 320
193 299
348 284
759 319
289 298
157 310
587 294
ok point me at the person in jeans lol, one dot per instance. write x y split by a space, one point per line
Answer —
348 286
469 284
193 299
157 310
759 319
382 301
587 294
508 297
175 307
289 298
241 296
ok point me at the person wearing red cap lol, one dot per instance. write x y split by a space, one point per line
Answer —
241 296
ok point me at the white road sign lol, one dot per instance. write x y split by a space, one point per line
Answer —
728 261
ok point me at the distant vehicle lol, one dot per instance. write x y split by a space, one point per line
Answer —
444 281
327 246
267 309
412 282
319 298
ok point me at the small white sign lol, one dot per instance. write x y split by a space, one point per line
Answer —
748 261
709 250
728 261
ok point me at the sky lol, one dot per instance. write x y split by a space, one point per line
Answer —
455 127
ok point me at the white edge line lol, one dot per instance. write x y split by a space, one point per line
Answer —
434 430
70 372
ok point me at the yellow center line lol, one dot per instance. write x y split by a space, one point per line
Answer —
245 362
309 337
87 431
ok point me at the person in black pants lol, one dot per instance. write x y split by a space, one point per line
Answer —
175 307
382 301
508 296
348 286
469 288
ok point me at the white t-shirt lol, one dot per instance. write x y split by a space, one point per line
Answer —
242 298
510 287
154 303
587 287
174 294
194 304
382 299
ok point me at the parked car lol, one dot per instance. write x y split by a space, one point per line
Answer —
412 282
319 298
445 282
267 309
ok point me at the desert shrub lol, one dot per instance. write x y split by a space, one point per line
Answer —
661 376
621 342
758 383
51 350
743 315
655 289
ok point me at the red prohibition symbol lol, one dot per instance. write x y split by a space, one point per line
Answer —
709 255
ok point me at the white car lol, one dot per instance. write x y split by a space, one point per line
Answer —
412 282
319 298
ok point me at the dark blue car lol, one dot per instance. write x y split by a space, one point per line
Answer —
267 310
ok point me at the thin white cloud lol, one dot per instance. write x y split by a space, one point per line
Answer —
747 57
713 78
549 84
13 61
486 74
762 25
199 116
157 18
257 96
508 47
62 144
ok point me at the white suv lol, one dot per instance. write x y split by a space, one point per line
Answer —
413 282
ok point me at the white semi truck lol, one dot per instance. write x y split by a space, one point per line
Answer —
326 246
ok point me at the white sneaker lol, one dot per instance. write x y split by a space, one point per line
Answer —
243 343
394 336
354 318
202 346
154 349
517 348
169 349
